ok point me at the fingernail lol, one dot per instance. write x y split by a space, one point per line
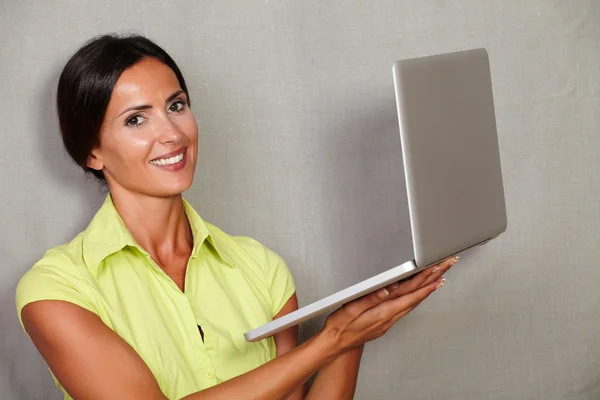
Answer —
394 285
435 269
441 283
386 292
453 261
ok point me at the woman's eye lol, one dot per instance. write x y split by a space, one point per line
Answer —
177 106
134 121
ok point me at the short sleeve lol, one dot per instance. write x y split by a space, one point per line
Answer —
278 278
55 277
281 281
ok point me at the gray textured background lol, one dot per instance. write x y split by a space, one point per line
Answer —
299 149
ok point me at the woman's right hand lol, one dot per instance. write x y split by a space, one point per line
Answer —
371 316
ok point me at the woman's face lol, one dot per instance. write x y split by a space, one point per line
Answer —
149 137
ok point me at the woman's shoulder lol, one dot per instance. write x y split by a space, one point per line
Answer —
66 257
61 274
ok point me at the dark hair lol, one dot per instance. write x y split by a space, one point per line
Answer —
87 82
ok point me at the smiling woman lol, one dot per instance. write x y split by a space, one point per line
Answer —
147 125
150 301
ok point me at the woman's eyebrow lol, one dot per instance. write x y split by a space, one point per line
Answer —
148 106
172 97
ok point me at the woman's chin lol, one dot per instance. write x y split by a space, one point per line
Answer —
170 187
175 188
155 185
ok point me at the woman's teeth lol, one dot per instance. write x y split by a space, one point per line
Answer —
168 161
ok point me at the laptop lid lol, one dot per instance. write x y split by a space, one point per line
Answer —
450 151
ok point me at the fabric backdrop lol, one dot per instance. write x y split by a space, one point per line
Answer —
299 148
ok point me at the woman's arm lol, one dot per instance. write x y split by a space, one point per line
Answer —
93 362
287 341
336 380
89 359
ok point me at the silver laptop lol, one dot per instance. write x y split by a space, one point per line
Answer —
451 165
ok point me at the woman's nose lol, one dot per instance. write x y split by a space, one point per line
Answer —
169 132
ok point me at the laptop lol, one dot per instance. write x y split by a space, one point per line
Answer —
451 166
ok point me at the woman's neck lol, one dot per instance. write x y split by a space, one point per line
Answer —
158 224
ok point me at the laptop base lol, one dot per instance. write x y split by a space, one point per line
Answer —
335 300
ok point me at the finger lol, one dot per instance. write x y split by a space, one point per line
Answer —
398 289
397 317
361 305
441 269
413 283
392 307
421 279
404 286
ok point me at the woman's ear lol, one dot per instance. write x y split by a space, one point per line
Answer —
94 160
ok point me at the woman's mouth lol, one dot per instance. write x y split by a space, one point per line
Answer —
172 161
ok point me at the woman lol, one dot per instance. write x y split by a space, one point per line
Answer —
150 301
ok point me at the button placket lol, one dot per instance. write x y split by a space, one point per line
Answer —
209 344
203 365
